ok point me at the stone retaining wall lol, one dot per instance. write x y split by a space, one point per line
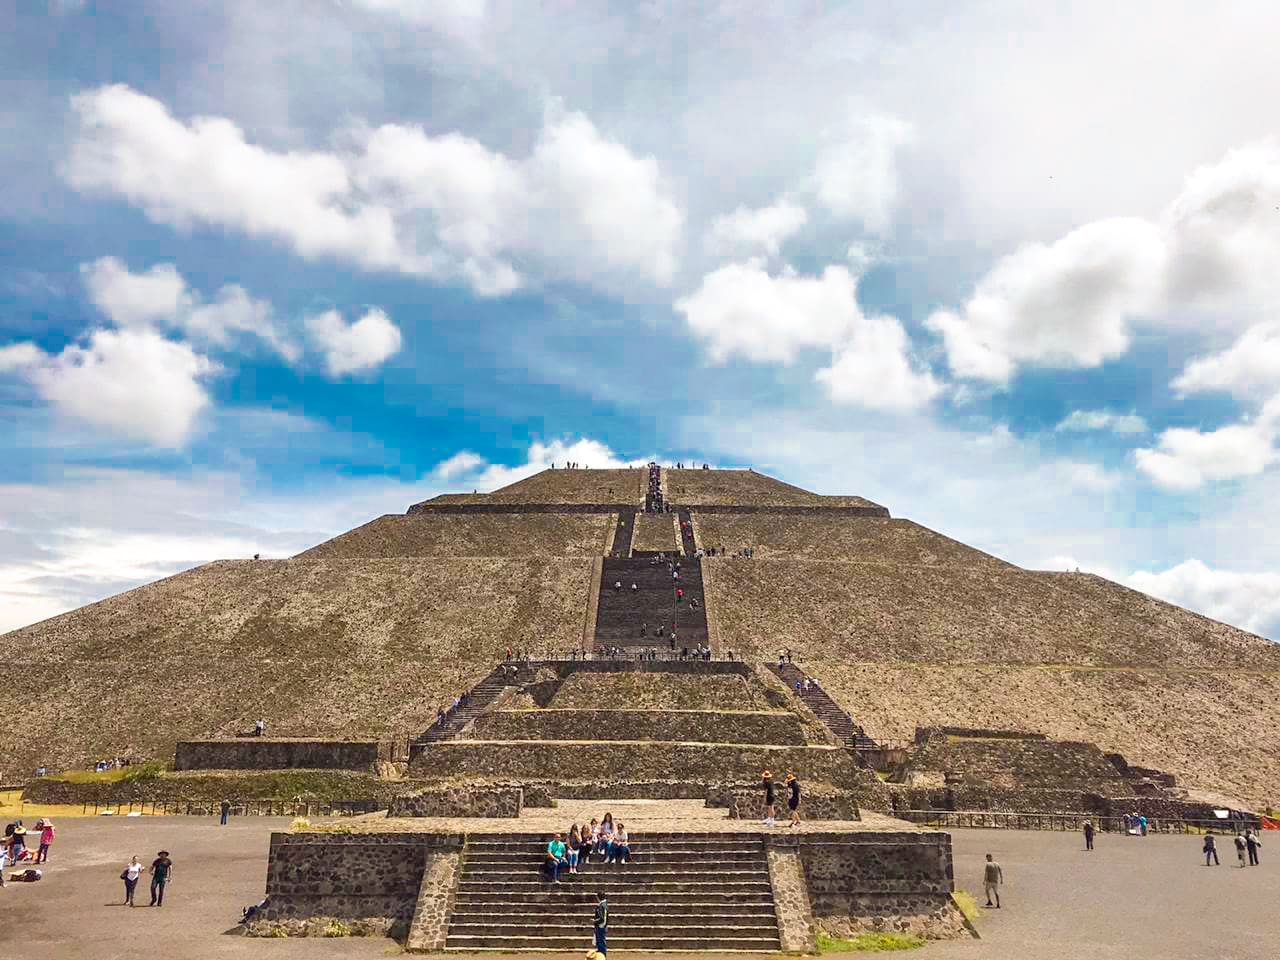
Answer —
262 753
543 760
818 803
703 726
459 801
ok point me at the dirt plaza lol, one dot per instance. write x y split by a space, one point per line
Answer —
1130 898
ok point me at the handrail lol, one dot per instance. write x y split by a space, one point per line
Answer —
1006 820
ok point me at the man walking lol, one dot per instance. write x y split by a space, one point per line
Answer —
1253 841
601 922
1211 850
992 877
161 873
225 809
1088 834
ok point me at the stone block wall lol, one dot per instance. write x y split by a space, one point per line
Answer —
1017 762
429 929
459 801
350 876
703 726
541 761
796 930
878 881
819 803
263 753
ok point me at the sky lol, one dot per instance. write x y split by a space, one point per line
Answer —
270 270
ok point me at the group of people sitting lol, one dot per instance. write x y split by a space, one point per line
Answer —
602 840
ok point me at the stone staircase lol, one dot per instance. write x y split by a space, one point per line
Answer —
621 613
482 695
694 891
624 534
686 532
827 710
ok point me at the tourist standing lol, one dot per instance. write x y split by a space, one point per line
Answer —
767 782
1253 842
1211 850
1088 834
793 801
132 870
601 924
992 878
1240 849
161 873
45 826
225 809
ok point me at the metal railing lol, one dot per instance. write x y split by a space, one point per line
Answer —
1003 820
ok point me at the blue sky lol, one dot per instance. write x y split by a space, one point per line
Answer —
266 273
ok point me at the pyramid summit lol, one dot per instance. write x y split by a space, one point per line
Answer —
366 635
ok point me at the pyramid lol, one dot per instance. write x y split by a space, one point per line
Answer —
367 634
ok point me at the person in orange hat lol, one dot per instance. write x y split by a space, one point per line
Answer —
767 779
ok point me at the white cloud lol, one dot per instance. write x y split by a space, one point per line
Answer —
446 207
1066 304
1186 458
1248 600
874 369
857 177
19 356
1081 421
135 299
748 231
133 382
1250 365
1072 303
461 463
354 347
740 308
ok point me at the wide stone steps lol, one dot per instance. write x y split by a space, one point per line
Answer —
679 892
479 699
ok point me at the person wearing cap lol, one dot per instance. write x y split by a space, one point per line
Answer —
45 826
161 873
793 800
767 780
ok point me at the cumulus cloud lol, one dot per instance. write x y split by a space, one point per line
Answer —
741 308
1082 421
1185 458
446 207
132 382
1248 600
748 231
470 469
1249 366
353 347
1071 303
19 356
857 177
160 297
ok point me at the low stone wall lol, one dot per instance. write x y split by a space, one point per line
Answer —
1049 801
262 753
543 761
351 876
704 726
746 803
463 801
878 881
1008 762
205 786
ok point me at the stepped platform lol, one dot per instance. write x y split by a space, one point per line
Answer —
705 726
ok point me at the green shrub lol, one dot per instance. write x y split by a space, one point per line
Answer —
300 823
336 928
968 904
869 942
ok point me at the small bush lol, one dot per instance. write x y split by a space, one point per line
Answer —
336 928
869 943
150 770
968 904
300 823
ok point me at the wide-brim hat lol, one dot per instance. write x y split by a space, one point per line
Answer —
767 775
163 853
791 776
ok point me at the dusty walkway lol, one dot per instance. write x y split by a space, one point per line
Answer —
1131 899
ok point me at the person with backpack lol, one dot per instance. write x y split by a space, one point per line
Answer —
1240 849
132 870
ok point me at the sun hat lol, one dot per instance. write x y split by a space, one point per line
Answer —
767 775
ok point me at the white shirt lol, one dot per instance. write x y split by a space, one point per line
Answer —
132 870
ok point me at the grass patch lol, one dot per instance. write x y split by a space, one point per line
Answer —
142 771
968 905
869 943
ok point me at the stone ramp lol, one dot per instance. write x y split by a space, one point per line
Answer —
681 891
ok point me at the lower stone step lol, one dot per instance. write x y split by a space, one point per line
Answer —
767 944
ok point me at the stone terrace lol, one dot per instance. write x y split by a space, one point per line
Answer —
655 532
620 487
828 537
746 488
471 535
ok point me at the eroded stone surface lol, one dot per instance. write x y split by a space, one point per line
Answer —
796 929
430 926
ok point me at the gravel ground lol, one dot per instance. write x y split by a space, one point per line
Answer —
1130 898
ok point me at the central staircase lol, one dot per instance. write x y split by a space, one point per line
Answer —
694 891
621 613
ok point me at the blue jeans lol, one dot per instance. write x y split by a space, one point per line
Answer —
601 944
554 867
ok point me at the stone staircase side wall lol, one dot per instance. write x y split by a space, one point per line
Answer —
429 929
593 600
610 535
796 930
713 621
